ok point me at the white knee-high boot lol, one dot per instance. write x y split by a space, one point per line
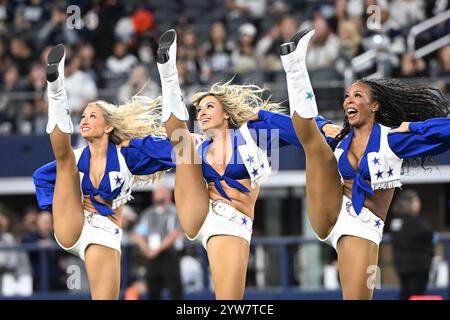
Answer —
300 92
58 105
172 97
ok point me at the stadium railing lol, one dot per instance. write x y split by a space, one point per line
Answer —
286 288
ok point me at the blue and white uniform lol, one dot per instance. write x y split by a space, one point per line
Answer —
252 144
142 157
380 168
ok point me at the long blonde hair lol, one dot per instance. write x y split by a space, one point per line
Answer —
240 102
137 118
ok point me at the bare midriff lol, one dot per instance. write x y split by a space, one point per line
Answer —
378 204
241 201
88 206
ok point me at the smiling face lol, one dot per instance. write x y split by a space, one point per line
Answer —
93 124
211 114
358 105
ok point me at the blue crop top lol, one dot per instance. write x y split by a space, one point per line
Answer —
143 156
235 169
430 137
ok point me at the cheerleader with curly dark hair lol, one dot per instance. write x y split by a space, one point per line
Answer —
349 192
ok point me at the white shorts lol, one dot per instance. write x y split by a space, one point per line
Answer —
366 225
97 229
223 219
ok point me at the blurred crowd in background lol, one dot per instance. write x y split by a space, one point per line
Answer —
150 265
110 54
111 46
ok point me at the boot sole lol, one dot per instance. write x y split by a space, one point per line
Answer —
289 47
54 57
166 40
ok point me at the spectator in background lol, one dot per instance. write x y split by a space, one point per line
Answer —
443 70
121 63
156 234
136 272
412 241
99 27
412 67
8 259
5 60
33 11
143 40
187 83
190 52
29 220
21 54
355 11
44 238
128 219
349 39
55 31
12 262
5 16
87 54
244 58
218 51
9 105
251 10
33 116
407 12
267 48
80 87
349 44
191 271
323 49
444 61
139 83
20 24
435 7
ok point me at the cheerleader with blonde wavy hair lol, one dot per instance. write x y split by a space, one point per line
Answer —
88 187
233 156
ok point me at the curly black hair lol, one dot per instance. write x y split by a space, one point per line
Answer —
402 101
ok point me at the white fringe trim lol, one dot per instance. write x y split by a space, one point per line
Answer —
139 181
387 185
121 201
261 179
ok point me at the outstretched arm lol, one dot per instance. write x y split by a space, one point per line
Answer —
268 120
415 139
147 155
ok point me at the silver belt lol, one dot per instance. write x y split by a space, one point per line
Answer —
365 216
101 222
223 209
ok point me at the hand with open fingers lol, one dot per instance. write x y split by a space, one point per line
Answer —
404 128
331 130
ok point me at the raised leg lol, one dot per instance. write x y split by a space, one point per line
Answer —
103 271
357 263
68 216
228 259
191 193
323 185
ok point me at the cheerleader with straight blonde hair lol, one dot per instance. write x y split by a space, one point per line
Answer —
239 133
126 145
